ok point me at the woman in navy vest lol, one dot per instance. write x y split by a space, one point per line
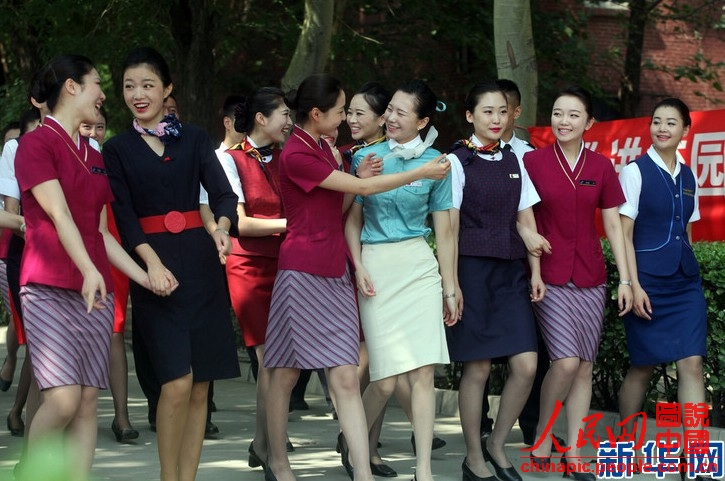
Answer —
492 193
252 266
669 319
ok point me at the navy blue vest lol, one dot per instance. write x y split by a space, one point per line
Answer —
490 206
660 238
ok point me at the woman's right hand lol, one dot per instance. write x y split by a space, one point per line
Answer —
437 168
92 283
161 280
364 284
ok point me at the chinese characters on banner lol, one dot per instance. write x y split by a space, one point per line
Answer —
703 149
681 445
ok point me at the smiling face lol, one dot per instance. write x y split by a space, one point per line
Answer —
569 119
489 117
144 94
364 123
272 129
401 118
91 96
329 121
667 128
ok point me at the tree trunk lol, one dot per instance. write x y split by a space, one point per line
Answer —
515 55
313 46
629 86
194 29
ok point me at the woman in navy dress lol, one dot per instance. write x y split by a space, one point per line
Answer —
492 193
156 169
668 322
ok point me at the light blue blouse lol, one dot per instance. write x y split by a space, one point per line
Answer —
401 213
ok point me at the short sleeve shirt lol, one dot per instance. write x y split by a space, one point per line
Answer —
8 182
400 214
48 153
314 242
528 197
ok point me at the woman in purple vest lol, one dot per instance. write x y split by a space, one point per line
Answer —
669 319
252 265
492 193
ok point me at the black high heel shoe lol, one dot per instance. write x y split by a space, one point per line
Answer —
345 455
504 474
18 430
469 475
254 460
123 435
436 444
541 462
575 475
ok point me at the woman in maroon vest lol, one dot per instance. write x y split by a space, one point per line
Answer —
252 266
492 193
573 183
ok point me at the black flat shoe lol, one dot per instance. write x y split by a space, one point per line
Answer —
254 460
383 470
345 455
436 444
289 447
469 475
504 474
123 435
18 430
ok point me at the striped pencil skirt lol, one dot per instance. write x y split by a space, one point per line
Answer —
313 322
570 319
68 346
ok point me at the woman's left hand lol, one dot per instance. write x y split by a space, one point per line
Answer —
223 244
625 299
450 311
538 289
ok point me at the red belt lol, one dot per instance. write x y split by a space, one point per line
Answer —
173 222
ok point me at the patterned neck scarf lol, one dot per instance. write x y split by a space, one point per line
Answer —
490 149
348 154
258 153
168 128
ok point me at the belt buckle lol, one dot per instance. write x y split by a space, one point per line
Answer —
174 221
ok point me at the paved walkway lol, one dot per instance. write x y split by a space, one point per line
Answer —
312 432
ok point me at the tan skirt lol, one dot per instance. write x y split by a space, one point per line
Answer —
403 322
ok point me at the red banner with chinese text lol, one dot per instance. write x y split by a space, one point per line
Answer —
703 149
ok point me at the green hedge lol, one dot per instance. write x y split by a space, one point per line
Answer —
613 360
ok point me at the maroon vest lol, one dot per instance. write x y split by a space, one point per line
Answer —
260 184
490 207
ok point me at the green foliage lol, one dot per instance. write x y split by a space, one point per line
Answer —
613 360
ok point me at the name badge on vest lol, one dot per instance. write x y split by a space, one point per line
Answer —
513 176
98 170
688 192
588 182
415 183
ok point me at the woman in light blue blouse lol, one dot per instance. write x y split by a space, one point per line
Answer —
404 301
